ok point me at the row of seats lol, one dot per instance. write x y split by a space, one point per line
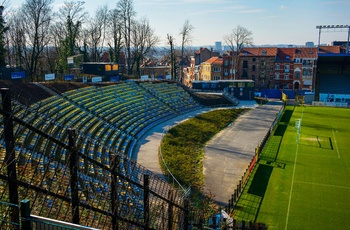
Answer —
114 116
110 118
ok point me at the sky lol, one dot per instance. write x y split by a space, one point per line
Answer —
271 22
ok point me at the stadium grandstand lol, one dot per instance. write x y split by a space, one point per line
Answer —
66 154
333 79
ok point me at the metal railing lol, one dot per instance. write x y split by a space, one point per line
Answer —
67 183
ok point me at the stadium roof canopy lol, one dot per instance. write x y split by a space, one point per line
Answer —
328 58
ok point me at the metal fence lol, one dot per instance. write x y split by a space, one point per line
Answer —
241 184
69 177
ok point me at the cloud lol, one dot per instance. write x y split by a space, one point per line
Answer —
282 7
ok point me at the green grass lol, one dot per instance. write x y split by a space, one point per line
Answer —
304 185
182 146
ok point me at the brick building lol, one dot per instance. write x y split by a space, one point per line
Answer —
258 64
211 69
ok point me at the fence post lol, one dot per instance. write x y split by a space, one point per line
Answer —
170 210
73 176
146 200
10 157
186 214
25 214
114 192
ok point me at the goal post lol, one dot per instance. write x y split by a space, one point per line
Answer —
297 127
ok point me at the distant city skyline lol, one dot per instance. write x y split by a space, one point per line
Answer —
271 22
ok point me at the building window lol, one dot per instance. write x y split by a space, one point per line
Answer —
216 69
245 64
216 78
226 63
286 77
253 68
226 72
277 76
254 59
262 74
297 75
264 52
278 67
245 74
262 63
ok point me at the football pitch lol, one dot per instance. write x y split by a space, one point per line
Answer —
302 180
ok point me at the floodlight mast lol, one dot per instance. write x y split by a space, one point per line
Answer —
333 27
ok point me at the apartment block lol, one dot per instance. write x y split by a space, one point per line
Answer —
257 64
211 69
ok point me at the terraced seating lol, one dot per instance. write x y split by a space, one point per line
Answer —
113 116
172 95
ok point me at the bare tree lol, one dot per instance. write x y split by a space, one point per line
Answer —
66 31
3 30
37 15
238 38
143 40
126 9
96 29
172 56
16 39
185 40
115 33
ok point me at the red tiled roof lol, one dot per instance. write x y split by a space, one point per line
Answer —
214 60
285 54
259 51
330 49
305 52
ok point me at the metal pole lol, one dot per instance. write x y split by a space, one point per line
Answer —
114 192
347 44
73 176
170 210
319 39
146 200
186 214
10 158
25 213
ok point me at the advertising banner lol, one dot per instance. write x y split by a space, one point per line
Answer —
96 79
144 77
69 77
114 78
18 75
49 77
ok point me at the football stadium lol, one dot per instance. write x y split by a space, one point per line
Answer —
69 157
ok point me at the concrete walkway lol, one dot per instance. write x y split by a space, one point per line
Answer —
229 153
226 155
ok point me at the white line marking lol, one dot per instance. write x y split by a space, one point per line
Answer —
291 187
335 141
318 156
292 184
320 184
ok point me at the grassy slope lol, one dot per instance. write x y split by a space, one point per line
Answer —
305 185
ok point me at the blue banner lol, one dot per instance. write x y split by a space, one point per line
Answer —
18 75
114 79
69 77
